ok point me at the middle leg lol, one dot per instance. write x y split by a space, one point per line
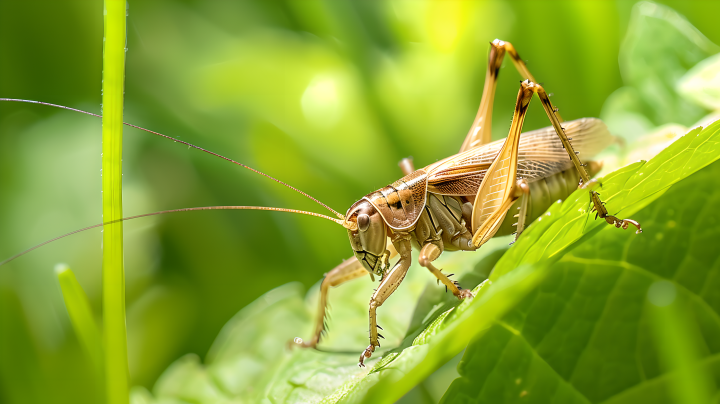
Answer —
429 253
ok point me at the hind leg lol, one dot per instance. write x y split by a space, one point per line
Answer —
480 131
598 204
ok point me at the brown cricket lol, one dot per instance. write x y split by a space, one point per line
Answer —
458 203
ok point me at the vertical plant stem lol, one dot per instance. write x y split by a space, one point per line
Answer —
115 335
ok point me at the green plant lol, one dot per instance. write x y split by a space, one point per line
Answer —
113 90
81 316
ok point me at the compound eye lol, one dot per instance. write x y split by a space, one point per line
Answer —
363 222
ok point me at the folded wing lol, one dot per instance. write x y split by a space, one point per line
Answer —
540 155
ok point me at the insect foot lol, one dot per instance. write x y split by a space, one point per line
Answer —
367 353
297 341
465 294
623 223
599 207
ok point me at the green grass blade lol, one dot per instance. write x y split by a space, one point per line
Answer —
115 335
81 317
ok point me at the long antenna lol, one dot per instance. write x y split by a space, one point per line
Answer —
185 143
338 221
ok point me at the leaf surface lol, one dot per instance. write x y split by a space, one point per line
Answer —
589 332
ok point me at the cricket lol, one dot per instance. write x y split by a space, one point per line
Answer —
458 203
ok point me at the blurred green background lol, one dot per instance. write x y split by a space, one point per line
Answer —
325 95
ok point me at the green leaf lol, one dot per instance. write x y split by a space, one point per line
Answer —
701 84
659 48
619 319
625 191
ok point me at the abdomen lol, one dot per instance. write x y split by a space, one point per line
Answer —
543 193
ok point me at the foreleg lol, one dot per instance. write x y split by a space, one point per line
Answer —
388 285
350 269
